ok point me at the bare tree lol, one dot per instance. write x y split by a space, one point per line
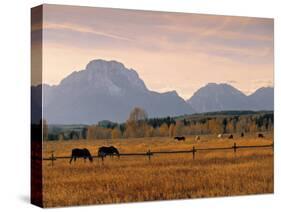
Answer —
137 114
136 125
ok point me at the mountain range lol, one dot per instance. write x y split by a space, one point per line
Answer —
224 97
107 90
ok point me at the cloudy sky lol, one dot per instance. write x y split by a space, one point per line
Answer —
170 51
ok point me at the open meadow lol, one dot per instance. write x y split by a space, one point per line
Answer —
164 177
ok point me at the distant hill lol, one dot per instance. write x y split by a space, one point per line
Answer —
224 97
262 99
106 90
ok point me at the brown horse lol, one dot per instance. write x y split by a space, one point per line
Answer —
81 153
230 136
111 150
179 138
260 135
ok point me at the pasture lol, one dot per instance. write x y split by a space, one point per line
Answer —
164 177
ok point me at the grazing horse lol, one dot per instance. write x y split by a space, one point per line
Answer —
81 153
179 138
230 136
260 135
111 150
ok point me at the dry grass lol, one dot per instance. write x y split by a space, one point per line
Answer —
172 176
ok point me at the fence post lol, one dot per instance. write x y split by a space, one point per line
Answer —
53 158
193 153
234 148
149 154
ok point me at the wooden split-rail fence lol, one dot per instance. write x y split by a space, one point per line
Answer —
150 153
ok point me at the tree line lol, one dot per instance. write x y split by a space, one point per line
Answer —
139 125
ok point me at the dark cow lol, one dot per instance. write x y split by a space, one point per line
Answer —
260 135
81 153
111 150
230 136
242 134
179 138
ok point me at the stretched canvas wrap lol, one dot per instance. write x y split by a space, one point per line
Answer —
131 105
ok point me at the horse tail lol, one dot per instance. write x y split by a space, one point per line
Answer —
99 152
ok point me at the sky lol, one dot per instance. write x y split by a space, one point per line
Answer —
170 51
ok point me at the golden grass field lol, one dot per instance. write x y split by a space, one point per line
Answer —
164 177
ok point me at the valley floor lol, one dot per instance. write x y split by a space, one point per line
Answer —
164 177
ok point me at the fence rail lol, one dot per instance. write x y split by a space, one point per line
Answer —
149 153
